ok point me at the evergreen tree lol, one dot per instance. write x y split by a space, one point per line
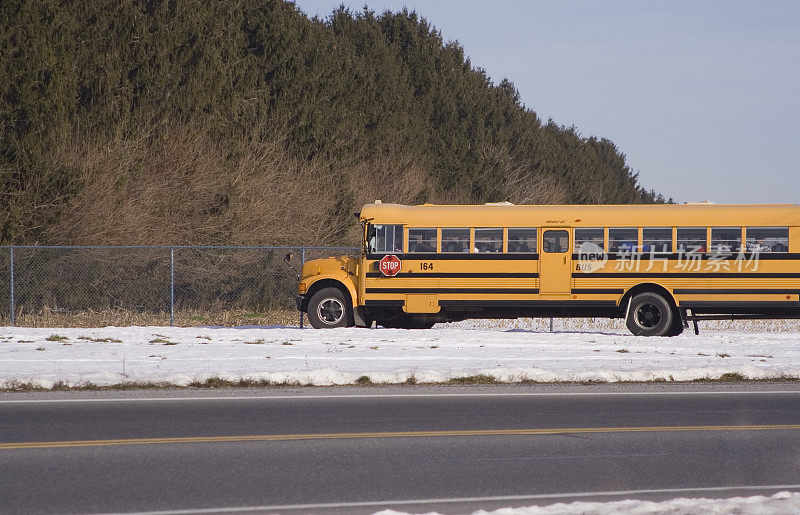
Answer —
354 88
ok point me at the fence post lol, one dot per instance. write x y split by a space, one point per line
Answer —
302 262
551 324
172 286
12 283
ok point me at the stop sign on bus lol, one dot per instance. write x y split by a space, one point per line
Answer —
390 265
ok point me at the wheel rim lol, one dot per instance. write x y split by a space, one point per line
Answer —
648 316
330 311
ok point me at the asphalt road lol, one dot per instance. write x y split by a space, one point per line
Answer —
412 449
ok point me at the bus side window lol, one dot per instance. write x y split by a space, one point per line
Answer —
488 240
398 239
385 239
589 241
455 240
767 239
657 239
725 240
691 239
521 241
421 240
555 241
623 239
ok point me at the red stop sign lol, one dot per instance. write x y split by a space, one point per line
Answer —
390 265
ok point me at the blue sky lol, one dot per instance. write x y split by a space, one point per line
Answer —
703 97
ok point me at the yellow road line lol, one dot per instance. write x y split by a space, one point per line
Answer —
395 434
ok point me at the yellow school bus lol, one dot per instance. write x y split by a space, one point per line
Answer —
658 266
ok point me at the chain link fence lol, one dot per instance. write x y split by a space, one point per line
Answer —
153 285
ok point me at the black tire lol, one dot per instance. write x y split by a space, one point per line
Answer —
650 314
329 308
677 324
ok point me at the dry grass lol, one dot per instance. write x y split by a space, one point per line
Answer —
180 185
122 318
476 379
184 187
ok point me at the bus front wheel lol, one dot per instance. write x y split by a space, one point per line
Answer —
650 314
328 308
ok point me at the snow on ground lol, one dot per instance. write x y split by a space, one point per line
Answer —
112 355
778 504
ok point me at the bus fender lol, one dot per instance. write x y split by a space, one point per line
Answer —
647 287
336 281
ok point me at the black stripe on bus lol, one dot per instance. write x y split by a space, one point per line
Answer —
517 291
689 275
738 304
527 303
607 291
462 256
766 256
756 256
442 275
686 256
379 303
735 291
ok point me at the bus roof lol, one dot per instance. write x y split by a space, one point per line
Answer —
498 215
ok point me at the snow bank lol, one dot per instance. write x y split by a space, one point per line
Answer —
111 355
778 504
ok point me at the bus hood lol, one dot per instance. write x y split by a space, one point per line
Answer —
338 265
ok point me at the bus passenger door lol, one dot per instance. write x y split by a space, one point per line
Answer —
555 262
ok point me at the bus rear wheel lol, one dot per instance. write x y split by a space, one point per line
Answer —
328 308
650 314
677 324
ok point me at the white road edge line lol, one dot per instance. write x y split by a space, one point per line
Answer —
389 396
533 497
